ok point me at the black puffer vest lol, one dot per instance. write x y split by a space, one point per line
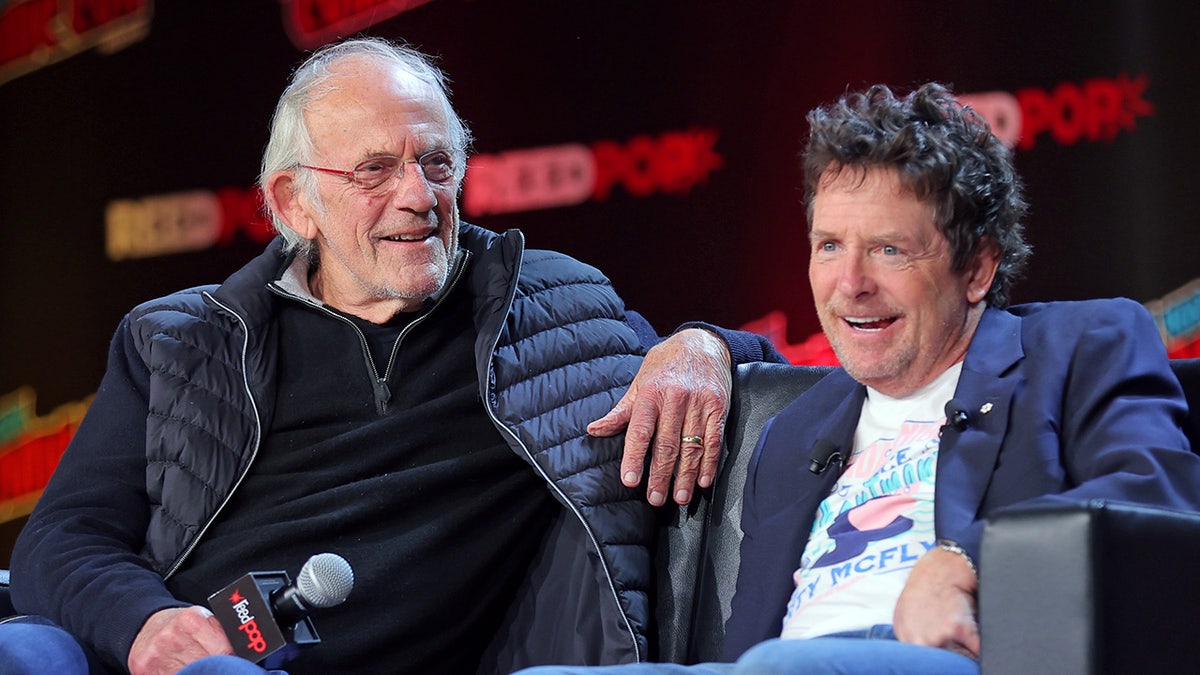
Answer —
553 352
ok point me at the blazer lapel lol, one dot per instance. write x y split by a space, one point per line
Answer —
967 458
787 493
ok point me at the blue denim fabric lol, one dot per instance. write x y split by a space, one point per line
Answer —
33 645
874 651
634 669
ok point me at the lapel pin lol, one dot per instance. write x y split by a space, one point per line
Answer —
986 408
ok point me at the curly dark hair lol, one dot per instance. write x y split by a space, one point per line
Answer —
944 153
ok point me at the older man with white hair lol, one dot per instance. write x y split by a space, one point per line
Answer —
386 383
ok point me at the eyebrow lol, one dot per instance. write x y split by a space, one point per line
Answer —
905 241
887 235
381 153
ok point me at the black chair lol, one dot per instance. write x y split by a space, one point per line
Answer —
1093 588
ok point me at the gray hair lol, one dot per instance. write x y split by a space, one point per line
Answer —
290 143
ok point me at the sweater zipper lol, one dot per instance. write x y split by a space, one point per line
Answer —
379 383
382 392
254 451
515 441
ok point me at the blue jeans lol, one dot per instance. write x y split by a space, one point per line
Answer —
634 669
874 651
33 645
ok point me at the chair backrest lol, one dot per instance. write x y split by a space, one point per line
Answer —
699 544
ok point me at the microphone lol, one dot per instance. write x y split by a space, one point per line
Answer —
324 581
957 417
262 612
824 452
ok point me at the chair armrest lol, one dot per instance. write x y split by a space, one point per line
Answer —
1097 587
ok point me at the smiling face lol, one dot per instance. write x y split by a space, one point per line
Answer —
387 249
894 311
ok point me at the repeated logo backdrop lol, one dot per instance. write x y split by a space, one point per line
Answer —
656 140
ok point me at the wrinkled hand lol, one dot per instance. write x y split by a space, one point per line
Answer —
682 389
937 606
174 637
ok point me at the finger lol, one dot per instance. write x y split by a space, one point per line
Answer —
616 419
968 637
691 454
662 466
900 625
632 461
638 436
688 466
216 641
666 450
714 435
197 631
959 648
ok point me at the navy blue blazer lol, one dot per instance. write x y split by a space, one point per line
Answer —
1069 401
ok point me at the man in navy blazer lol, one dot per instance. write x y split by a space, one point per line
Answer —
1079 405
866 497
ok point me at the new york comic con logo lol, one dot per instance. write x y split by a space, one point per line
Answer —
247 623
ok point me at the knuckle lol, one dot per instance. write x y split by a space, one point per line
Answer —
640 431
674 397
689 461
663 463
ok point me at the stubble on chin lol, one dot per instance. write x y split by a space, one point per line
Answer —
863 365
428 282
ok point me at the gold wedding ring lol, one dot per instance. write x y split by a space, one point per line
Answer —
693 439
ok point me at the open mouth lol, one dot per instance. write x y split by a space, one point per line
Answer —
869 324
408 237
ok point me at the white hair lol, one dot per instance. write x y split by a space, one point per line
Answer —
290 143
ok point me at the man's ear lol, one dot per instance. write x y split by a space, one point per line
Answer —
982 270
289 203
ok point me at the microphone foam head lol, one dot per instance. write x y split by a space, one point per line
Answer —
325 580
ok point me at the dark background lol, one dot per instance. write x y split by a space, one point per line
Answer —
186 108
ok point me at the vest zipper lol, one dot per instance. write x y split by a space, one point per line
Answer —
516 443
253 452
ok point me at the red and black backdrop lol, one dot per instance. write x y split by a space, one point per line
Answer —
657 140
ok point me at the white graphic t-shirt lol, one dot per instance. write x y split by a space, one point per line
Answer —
878 520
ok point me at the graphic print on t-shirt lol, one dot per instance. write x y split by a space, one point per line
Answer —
868 533
852 530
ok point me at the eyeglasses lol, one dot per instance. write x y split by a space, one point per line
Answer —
438 167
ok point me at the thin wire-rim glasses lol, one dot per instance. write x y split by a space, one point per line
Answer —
436 165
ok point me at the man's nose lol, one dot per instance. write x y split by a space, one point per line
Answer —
854 276
413 190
